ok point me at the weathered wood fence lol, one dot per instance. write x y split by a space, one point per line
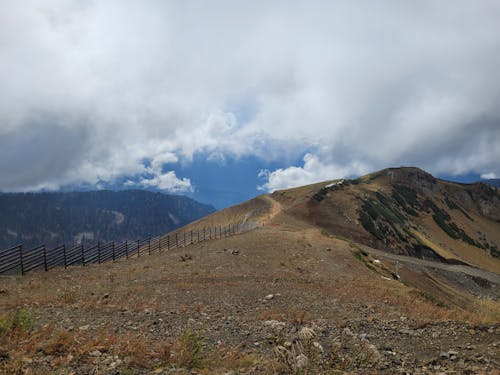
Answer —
17 259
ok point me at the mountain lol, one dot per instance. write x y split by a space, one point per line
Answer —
495 182
54 218
394 272
404 211
444 235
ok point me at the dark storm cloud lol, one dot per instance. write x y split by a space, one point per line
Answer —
36 151
359 86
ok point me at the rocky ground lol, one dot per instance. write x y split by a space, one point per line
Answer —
278 299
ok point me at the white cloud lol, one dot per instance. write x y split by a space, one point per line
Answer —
489 176
168 181
313 170
93 91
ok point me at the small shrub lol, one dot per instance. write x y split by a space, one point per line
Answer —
5 325
494 251
302 356
20 320
23 319
407 194
189 349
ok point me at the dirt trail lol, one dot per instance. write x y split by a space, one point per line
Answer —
274 209
471 271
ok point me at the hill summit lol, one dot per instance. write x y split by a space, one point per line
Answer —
406 211
393 272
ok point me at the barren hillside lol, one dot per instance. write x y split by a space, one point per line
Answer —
314 288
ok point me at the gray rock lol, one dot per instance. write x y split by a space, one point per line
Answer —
444 355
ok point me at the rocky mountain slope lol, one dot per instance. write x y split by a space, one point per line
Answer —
495 182
406 211
313 288
55 218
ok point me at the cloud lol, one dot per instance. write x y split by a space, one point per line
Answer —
98 91
164 180
313 170
168 181
489 176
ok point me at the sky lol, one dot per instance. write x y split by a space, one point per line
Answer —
225 100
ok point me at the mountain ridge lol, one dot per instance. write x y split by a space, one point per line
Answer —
404 210
105 215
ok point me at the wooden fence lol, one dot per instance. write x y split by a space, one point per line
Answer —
17 259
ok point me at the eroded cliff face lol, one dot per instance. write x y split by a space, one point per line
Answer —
480 197
486 199
415 178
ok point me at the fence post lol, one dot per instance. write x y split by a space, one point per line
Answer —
149 246
176 240
45 258
168 242
184 243
21 259
138 249
126 249
99 252
159 244
113 249
64 254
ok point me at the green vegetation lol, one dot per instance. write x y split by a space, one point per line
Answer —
443 219
369 225
382 212
190 349
321 194
384 209
406 198
453 206
55 218
429 297
362 256
494 251
409 195
19 320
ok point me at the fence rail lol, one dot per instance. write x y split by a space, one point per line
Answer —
17 259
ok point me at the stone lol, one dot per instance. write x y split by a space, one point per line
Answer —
301 361
453 355
269 297
346 331
318 346
444 355
84 328
274 325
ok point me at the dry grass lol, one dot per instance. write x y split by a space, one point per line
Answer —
21 346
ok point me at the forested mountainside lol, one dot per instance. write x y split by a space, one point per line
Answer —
54 218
